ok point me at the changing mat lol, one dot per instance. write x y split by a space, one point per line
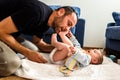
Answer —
108 70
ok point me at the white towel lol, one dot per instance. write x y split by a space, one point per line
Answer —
38 71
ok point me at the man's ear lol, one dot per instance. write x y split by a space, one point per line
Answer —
61 12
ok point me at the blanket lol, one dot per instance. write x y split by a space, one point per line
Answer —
108 70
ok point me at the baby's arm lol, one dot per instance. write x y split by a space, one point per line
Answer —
73 40
83 58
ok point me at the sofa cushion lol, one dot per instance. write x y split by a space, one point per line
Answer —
113 32
116 17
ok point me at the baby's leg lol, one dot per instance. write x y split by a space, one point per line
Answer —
56 44
62 49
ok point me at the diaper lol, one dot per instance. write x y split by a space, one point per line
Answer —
51 57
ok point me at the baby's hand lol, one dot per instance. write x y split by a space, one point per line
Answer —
69 34
72 50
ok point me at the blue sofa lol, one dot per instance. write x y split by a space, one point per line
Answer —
78 30
113 36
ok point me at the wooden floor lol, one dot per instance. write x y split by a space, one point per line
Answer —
12 77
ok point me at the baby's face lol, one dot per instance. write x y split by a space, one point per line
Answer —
95 55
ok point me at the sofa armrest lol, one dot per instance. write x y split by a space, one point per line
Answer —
111 24
79 33
113 32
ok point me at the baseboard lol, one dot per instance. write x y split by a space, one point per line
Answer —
92 48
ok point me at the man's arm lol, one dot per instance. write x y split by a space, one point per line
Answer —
6 28
43 46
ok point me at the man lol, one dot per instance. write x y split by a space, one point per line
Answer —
32 17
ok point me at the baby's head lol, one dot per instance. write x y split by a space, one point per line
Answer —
96 56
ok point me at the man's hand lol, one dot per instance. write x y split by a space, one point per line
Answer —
36 57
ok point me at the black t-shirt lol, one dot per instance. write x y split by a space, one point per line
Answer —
29 16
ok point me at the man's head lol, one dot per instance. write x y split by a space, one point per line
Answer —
63 19
96 56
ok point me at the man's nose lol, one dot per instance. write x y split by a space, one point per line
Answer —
63 29
67 28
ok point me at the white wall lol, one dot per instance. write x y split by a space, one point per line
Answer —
97 13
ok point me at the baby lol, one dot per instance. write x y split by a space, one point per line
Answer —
69 53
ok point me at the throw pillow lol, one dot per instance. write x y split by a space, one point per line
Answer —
116 17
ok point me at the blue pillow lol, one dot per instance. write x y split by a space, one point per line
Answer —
116 17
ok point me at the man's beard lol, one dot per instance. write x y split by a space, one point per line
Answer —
56 23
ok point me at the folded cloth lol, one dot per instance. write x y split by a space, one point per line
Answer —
71 64
9 61
83 58
65 71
